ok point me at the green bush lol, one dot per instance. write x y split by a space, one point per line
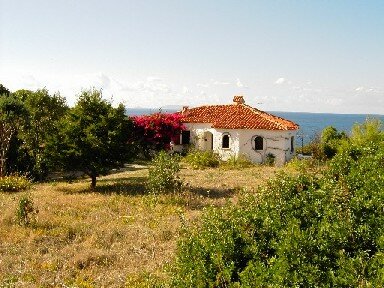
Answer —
163 174
310 230
14 183
26 211
270 159
237 162
202 159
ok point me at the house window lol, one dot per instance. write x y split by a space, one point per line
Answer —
185 137
225 141
292 144
259 143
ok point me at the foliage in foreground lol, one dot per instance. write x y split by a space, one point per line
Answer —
239 162
202 159
14 183
298 231
163 173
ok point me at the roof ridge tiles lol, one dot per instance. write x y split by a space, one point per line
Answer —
237 116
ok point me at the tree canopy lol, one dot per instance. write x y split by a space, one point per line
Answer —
12 111
92 137
43 114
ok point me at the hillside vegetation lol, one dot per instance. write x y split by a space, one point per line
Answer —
165 223
311 229
114 236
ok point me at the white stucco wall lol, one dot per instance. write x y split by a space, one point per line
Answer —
277 143
241 142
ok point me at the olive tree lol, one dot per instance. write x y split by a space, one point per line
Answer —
92 137
43 112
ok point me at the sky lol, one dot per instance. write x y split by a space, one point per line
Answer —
299 56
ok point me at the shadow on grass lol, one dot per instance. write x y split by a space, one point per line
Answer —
124 186
73 176
196 198
193 196
214 193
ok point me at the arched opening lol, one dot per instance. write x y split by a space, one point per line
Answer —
225 141
259 143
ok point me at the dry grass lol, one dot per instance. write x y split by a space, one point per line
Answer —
116 236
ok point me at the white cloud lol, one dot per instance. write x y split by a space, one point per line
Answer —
280 81
221 83
361 88
203 85
154 79
240 84
185 90
334 101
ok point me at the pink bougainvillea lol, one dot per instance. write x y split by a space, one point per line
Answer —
156 131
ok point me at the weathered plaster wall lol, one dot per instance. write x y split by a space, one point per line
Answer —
241 142
276 142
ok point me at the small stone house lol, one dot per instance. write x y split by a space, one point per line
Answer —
238 129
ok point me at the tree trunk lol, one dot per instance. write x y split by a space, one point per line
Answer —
93 182
6 133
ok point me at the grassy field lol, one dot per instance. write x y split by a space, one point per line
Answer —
116 236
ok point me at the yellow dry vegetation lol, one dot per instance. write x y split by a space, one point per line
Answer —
115 236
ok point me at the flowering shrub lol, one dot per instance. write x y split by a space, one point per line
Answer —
155 132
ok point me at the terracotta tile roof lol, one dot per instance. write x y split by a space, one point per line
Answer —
236 116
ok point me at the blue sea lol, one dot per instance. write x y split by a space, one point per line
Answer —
311 124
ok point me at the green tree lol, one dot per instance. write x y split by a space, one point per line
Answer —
330 141
369 131
43 114
4 90
92 137
12 112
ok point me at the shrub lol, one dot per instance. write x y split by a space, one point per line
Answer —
26 211
202 159
155 132
14 183
163 174
270 159
308 230
237 162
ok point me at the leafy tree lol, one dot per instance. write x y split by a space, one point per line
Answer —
43 114
369 131
4 90
92 137
12 112
155 132
330 141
